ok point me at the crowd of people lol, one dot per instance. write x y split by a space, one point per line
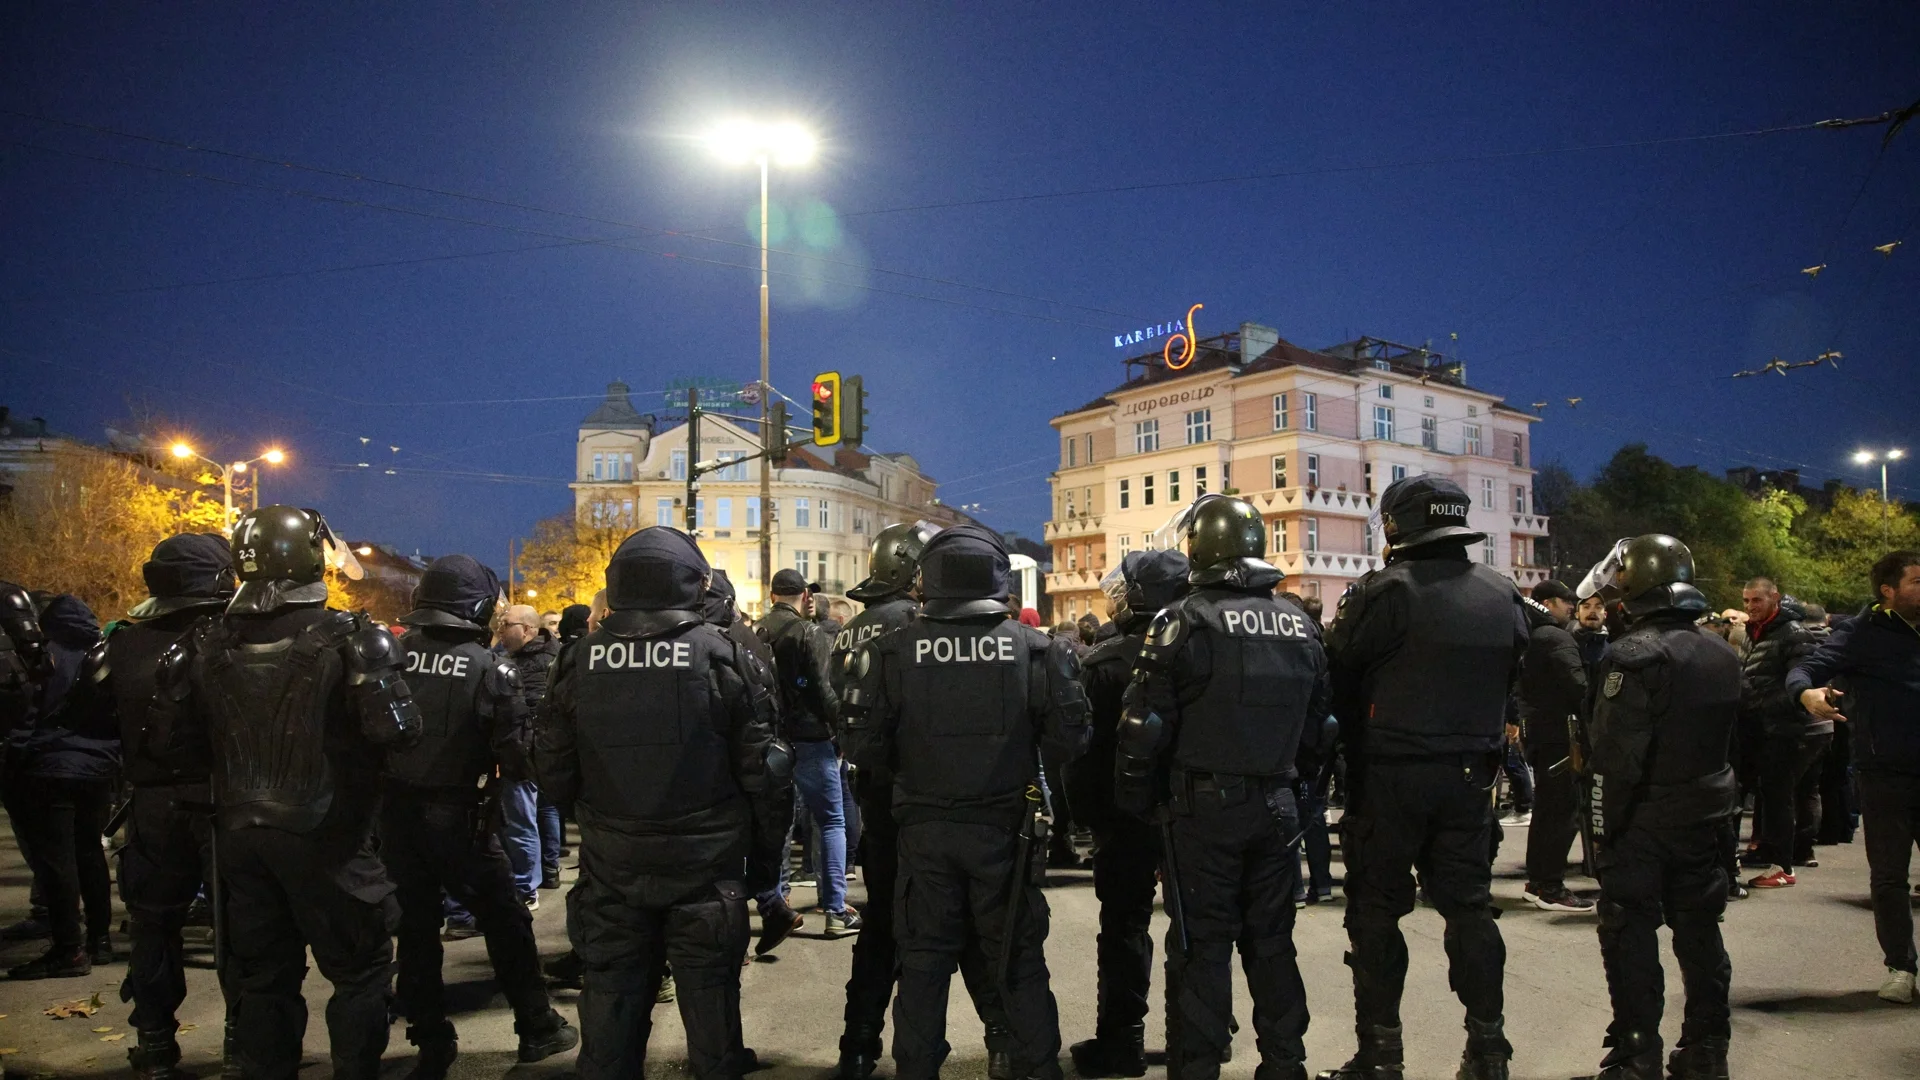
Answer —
307 779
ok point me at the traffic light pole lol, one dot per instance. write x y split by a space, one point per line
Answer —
766 400
693 459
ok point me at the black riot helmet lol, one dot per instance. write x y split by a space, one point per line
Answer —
1650 574
20 624
282 554
1426 509
1143 583
1227 542
895 559
657 569
458 592
965 571
189 570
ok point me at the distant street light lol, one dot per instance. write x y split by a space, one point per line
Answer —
273 456
1868 457
739 142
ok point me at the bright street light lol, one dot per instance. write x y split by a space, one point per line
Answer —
364 549
182 450
743 141
1868 457
272 456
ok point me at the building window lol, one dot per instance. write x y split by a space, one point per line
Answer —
1399 473
1279 531
723 512
677 465
1279 472
1310 407
731 472
663 511
1125 499
800 562
1089 449
1069 504
626 465
1146 490
1126 545
1519 457
1200 426
1199 481
1386 391
1473 410
753 512
1473 439
1313 470
1073 450
1486 552
1381 363
1279 412
1369 542
753 567
1073 556
1486 494
1311 541
1519 499
1429 433
598 465
1173 485
1383 422
1366 477
826 519
802 515
1146 436
1429 401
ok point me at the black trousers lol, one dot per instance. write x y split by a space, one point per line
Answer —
1237 869
1890 813
1790 794
1672 876
430 845
288 892
875 955
1433 816
1126 864
61 820
1839 805
168 856
625 949
1556 817
955 883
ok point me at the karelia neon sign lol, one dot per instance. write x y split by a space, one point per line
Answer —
1176 356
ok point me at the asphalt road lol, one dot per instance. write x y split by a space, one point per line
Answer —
1804 961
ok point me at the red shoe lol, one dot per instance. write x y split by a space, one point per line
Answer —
1774 878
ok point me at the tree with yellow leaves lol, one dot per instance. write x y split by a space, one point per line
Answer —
566 557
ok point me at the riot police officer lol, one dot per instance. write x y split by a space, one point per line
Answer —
296 705
953 711
1126 848
436 826
1661 797
1423 653
168 854
1228 681
23 655
667 753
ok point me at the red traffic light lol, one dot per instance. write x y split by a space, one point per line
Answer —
822 391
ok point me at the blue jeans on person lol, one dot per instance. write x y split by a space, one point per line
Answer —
1519 778
520 834
816 778
1316 845
552 836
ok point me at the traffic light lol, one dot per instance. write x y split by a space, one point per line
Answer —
853 410
826 409
776 433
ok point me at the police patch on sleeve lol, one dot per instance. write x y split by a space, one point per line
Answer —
1615 680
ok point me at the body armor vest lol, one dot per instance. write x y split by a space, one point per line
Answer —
133 656
1444 690
1689 779
1249 715
965 731
651 725
267 722
879 618
446 676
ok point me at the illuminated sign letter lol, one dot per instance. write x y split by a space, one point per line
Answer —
1189 346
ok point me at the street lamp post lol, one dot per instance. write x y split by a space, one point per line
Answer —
1868 457
274 456
741 141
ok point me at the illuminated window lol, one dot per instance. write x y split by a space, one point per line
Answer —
1280 473
1383 422
1199 481
1279 412
1430 433
802 514
1472 439
1146 490
1124 498
663 511
1173 485
1486 494
1313 470
1200 426
1310 408
1146 436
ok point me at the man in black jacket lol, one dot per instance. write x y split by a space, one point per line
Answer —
668 755
1424 653
526 644
1791 741
1552 694
1126 848
1661 794
1867 675
809 714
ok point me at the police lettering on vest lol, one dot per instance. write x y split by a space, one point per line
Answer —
855 636
1262 622
1447 509
965 650
448 664
639 654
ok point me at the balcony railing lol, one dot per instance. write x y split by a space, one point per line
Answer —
1316 500
1530 524
1076 525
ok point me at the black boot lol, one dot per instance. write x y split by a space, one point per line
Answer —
999 1058
156 1056
1280 1070
1699 1059
1047 1070
1487 1053
438 1044
545 1037
55 963
859 1052
231 1067
1633 1056
100 950
1120 1052
1379 1057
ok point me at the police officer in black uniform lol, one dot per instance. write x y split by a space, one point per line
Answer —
296 704
24 663
1126 848
952 711
436 826
1661 798
1228 681
168 854
1424 652
667 753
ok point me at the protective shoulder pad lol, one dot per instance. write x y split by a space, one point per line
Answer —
371 648
1636 651
1063 660
96 665
503 679
855 664
172 669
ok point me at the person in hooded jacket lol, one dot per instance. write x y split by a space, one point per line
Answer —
1552 697
60 774
667 753
1126 849
1661 795
952 711
295 706
436 822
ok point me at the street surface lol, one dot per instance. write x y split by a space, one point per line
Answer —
1804 961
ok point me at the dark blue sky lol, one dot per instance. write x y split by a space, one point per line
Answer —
1637 278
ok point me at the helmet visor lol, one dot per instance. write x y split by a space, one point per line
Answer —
338 555
1600 580
1172 536
1115 586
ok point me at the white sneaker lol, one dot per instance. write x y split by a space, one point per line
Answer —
1522 817
1898 988
533 902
